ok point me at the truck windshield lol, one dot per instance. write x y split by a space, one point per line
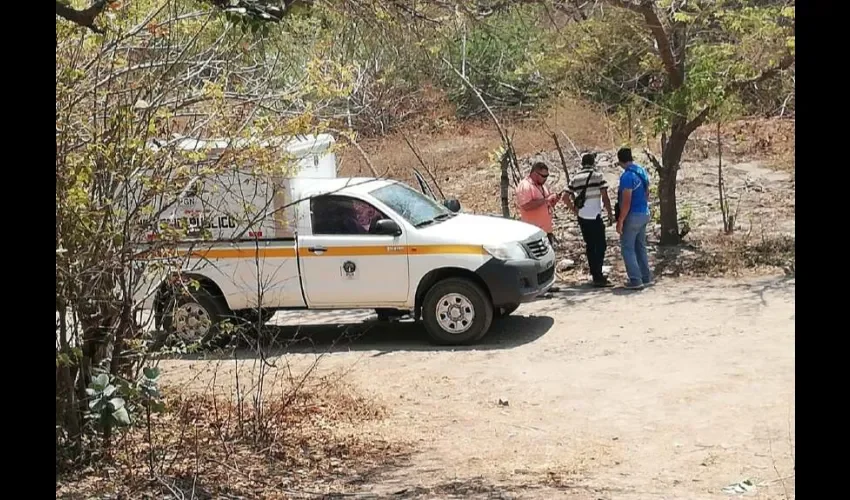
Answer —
416 208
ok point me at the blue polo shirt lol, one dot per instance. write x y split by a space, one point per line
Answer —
634 177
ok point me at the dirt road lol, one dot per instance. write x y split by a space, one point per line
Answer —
673 392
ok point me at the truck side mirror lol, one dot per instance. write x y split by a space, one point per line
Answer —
452 204
387 227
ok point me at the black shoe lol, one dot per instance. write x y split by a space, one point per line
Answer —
603 283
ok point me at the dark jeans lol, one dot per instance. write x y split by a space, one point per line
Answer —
593 232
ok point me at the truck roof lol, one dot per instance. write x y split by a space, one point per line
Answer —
297 146
351 185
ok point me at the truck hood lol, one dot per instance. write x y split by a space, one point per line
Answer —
482 230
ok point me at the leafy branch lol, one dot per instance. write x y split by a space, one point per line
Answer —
249 10
83 17
738 85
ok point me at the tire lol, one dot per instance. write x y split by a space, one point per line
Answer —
197 305
504 312
456 296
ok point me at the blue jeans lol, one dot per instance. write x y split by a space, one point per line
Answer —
633 246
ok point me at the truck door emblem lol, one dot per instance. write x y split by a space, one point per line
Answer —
349 268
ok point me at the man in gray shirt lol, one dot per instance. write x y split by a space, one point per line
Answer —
588 192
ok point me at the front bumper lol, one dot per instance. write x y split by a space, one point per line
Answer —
515 282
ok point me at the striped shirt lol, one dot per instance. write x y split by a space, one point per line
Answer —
593 198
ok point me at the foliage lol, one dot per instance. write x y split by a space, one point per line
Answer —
159 72
503 56
106 406
135 77
613 60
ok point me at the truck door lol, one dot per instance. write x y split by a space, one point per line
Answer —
344 263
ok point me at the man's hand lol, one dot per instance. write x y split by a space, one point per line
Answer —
553 199
620 227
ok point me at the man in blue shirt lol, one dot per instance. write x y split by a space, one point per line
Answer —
633 201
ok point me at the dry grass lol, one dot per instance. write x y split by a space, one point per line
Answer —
457 149
203 449
729 255
771 140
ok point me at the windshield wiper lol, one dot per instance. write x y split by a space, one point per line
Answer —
424 223
438 218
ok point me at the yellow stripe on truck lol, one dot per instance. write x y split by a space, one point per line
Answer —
446 249
353 251
244 253
337 251
395 250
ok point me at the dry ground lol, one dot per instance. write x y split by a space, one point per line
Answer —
673 392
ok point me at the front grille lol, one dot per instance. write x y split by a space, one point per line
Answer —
545 276
538 248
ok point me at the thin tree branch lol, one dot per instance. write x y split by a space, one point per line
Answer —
646 8
252 9
698 120
84 17
784 64
737 86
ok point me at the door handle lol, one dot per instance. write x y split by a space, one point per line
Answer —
317 249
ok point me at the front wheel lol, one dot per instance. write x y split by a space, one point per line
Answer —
456 311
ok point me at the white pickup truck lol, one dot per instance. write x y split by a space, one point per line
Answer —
346 243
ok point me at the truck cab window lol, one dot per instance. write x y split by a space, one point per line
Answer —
342 215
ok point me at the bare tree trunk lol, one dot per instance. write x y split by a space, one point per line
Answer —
724 204
671 157
504 183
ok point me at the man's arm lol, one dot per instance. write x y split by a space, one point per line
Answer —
526 197
624 209
533 203
568 201
606 202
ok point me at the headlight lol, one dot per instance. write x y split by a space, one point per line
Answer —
507 251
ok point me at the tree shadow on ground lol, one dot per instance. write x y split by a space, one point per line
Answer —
712 290
482 488
383 337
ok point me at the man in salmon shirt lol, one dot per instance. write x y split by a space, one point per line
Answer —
535 201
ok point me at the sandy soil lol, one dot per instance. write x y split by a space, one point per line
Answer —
673 392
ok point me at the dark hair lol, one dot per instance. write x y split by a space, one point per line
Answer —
588 159
538 166
624 155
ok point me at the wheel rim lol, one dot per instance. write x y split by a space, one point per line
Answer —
455 313
191 322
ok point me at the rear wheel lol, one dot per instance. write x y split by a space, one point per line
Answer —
505 311
456 311
195 317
